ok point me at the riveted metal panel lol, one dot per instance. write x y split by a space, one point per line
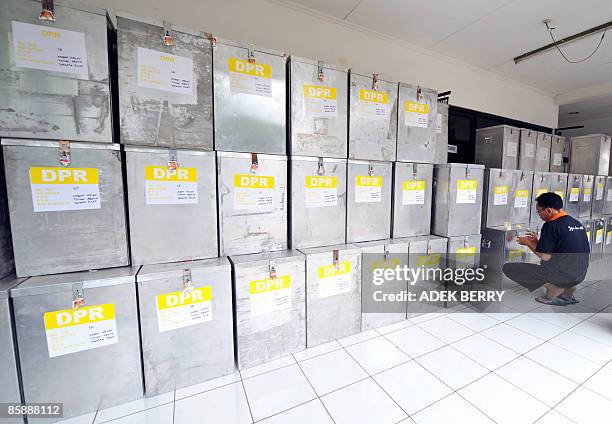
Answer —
416 124
498 147
573 195
411 201
543 149
527 150
586 196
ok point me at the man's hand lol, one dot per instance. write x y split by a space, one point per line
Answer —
530 239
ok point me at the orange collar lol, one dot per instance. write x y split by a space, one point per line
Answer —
558 215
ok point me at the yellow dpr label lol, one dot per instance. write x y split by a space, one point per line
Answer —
253 181
466 251
180 298
467 184
513 254
575 190
368 181
416 107
162 173
319 92
561 194
373 96
429 260
541 191
269 284
57 175
501 189
247 68
388 264
84 315
414 185
316 181
331 270
522 193
588 190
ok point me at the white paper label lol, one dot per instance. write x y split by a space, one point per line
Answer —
416 114
599 192
609 237
439 123
521 198
368 189
511 149
587 195
599 236
320 191
270 295
334 280
320 101
557 159
250 78
529 150
466 191
500 195
543 153
49 49
413 192
171 187
89 327
574 194
165 71
253 193
64 189
183 308
373 104
609 196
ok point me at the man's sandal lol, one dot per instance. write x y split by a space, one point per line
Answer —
557 301
570 300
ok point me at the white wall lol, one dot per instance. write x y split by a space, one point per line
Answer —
602 125
297 31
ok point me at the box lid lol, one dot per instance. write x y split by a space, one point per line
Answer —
7 283
328 249
175 269
248 156
315 62
264 258
55 144
142 149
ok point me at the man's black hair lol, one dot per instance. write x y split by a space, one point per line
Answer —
550 200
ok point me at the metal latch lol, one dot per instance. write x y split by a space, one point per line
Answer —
48 11
466 242
468 173
211 38
370 170
167 34
254 163
321 167
336 258
272 269
488 140
172 160
502 177
375 82
523 176
414 171
486 244
419 94
320 73
187 282
251 56
64 153
428 248
78 297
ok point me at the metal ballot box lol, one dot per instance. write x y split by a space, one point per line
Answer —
598 238
66 206
543 147
252 192
558 184
9 377
7 259
376 257
368 215
333 293
165 84
457 205
372 117
249 99
573 195
608 197
542 183
186 323
521 197
586 196
318 202
497 202
78 339
441 144
607 249
498 146
319 103
559 153
500 246
590 154
599 188
172 202
413 184
464 251
45 94
527 150
416 126
589 228
270 307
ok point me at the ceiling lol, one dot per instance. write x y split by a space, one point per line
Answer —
593 115
490 33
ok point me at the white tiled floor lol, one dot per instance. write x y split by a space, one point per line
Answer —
474 368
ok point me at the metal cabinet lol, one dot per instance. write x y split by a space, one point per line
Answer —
457 204
368 215
66 206
586 196
542 183
416 126
45 94
497 202
172 202
333 293
319 108
165 84
441 144
498 146
599 189
500 246
598 238
608 197
527 150
9 377
573 195
559 153
543 147
186 323
373 114
270 308
249 99
318 202
412 199
252 192
75 331
590 154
